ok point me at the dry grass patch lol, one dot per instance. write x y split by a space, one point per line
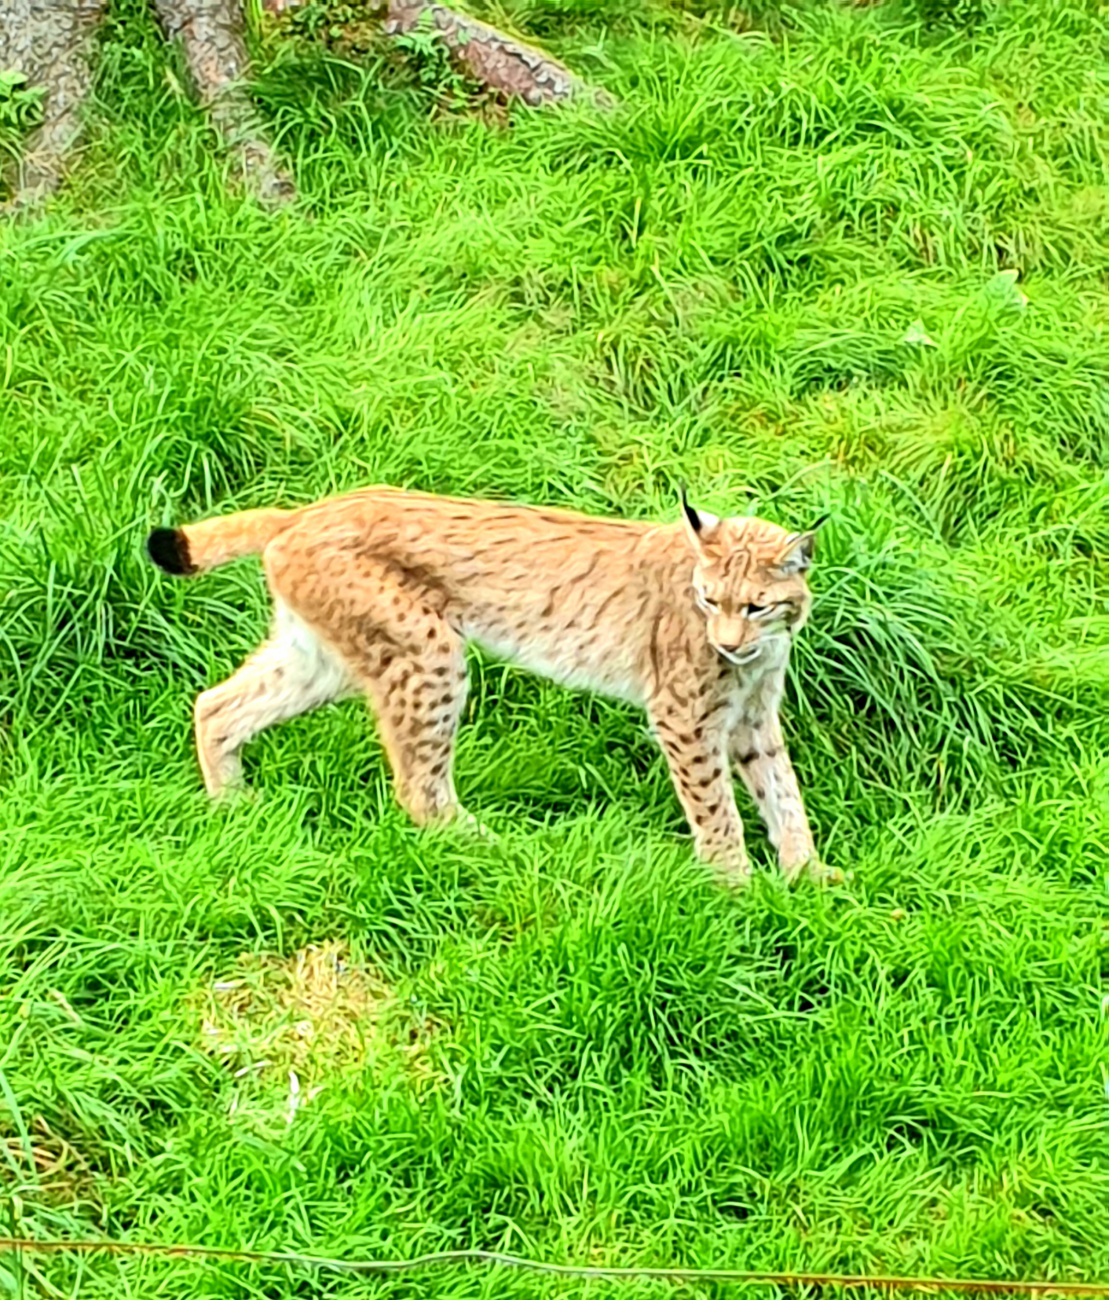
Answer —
307 1020
60 1174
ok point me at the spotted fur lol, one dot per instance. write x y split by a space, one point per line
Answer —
378 593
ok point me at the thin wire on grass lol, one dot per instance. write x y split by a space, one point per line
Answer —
498 1260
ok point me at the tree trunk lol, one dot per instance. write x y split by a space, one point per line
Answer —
210 32
48 41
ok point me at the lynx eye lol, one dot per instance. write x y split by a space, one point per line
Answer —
760 611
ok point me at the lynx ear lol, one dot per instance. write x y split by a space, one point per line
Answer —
797 553
699 524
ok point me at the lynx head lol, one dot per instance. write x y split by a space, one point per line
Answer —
749 581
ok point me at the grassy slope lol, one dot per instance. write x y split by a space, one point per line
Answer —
716 282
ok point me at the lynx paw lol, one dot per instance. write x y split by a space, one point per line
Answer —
457 818
811 868
735 878
731 869
797 856
235 793
825 875
467 822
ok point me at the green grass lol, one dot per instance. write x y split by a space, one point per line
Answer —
725 280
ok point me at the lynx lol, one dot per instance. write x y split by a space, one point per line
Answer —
379 592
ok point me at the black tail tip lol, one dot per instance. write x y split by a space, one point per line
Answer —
169 549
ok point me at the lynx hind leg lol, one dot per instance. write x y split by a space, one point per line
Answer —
408 660
290 674
418 697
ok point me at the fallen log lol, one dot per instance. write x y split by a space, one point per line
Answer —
493 59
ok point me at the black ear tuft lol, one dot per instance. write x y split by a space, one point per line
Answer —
690 514
169 549
819 523
798 553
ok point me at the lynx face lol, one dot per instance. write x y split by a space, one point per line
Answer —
748 581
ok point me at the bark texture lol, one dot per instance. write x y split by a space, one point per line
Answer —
48 41
211 35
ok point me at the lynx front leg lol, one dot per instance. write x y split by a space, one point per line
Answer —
760 754
696 753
